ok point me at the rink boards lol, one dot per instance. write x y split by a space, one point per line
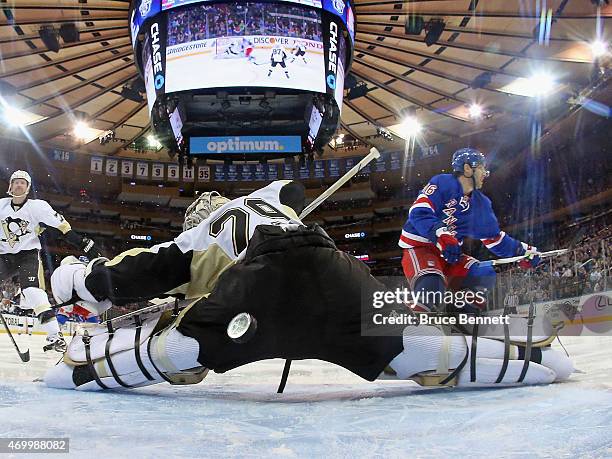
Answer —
30 325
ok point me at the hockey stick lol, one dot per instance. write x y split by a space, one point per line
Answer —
24 356
374 153
503 261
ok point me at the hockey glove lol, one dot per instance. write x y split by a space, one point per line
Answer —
90 249
532 256
448 245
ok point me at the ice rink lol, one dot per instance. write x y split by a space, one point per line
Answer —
324 412
202 70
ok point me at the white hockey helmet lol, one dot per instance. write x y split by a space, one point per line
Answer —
202 207
19 175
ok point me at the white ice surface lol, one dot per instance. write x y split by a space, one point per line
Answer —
324 412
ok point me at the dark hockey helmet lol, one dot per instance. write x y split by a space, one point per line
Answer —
469 156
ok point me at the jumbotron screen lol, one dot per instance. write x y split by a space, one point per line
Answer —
249 44
168 4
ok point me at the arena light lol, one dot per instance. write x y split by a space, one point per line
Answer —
475 111
599 48
153 142
410 127
83 132
539 84
19 118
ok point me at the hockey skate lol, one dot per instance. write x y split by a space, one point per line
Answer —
56 343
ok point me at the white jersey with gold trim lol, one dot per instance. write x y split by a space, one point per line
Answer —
232 225
20 226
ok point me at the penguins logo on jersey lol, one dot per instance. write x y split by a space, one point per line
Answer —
14 229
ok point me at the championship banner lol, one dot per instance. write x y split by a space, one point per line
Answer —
127 169
396 161
232 173
112 167
188 174
219 173
95 166
272 171
349 163
381 163
260 172
304 172
142 170
158 171
203 174
246 172
333 166
319 169
173 172
288 171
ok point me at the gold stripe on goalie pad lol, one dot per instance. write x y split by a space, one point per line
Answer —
434 379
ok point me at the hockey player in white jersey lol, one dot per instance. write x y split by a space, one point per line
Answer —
233 50
299 51
278 56
22 220
254 255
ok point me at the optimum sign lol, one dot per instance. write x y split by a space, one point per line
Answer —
245 144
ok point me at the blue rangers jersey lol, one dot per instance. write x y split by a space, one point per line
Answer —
442 204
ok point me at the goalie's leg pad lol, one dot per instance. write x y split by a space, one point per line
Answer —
426 346
168 352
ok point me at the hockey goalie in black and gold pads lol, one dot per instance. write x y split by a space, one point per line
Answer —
254 255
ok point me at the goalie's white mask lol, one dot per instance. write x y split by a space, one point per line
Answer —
202 207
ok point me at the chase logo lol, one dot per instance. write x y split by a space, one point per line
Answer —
339 6
159 81
331 81
145 7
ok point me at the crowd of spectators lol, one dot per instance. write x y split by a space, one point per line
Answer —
202 22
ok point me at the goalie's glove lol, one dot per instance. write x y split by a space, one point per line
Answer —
532 256
448 245
68 285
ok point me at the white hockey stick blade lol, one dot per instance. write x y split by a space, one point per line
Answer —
374 154
504 261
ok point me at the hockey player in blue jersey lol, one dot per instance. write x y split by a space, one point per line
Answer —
450 208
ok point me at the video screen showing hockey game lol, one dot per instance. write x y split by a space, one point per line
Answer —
168 4
247 44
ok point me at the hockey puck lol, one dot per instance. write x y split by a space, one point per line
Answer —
242 327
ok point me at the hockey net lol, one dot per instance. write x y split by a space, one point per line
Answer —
229 48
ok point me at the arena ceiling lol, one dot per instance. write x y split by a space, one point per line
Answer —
486 54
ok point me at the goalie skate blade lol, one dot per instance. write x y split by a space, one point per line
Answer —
242 328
